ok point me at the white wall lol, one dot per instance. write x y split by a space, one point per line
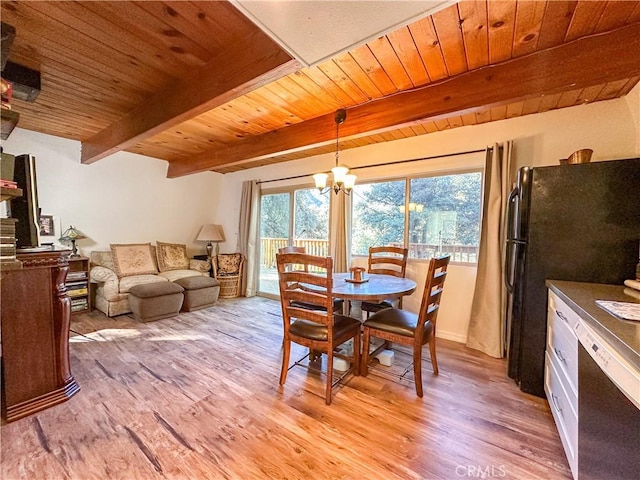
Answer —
610 128
124 198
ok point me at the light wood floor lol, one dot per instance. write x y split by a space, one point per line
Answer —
197 397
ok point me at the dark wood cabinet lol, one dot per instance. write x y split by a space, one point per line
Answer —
35 335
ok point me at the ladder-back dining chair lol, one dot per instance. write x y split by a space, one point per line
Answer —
386 260
407 328
309 320
337 302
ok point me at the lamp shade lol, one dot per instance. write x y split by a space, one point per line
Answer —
211 233
72 233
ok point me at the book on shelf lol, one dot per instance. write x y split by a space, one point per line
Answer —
76 275
79 301
77 308
76 283
76 292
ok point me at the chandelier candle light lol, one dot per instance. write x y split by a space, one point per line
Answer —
342 180
72 234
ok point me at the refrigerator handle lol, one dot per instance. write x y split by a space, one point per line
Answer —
509 263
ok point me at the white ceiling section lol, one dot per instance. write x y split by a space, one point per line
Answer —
313 31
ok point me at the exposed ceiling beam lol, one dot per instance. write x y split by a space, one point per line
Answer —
254 62
577 64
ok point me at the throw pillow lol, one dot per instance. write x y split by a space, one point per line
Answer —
229 263
172 256
133 259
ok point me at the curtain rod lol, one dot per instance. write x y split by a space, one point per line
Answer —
397 162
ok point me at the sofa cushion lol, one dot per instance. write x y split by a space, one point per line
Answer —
172 256
127 283
133 259
173 275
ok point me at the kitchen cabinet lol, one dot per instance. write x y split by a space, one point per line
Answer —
561 374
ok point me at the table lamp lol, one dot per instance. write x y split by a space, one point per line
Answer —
211 233
71 234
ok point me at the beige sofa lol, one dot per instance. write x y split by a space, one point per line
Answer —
116 271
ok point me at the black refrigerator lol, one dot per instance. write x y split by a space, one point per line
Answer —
567 222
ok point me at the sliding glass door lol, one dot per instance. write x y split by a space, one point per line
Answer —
294 217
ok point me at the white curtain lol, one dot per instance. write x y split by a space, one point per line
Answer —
248 235
486 325
340 252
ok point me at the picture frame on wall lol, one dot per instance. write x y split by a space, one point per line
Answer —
47 227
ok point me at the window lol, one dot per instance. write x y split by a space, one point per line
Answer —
377 219
441 215
296 217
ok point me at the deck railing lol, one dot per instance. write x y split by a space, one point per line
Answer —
459 253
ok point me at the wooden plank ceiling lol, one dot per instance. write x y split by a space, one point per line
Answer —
198 85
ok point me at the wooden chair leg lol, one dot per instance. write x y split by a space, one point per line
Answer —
364 361
286 350
432 351
356 354
327 393
417 368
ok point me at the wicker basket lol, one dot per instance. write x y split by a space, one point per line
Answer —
229 287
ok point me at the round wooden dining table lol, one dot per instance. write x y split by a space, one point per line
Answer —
375 289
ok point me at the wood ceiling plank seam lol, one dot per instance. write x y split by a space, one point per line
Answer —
585 19
292 97
403 44
64 79
631 83
569 98
281 117
172 14
169 151
150 29
198 127
428 44
531 105
528 24
95 60
103 30
483 116
113 88
388 136
449 32
498 112
612 89
232 115
515 109
549 102
387 58
368 62
188 133
258 113
590 94
48 105
221 126
325 83
314 90
418 129
556 21
352 68
397 134
274 102
343 81
616 14
442 124
455 121
501 16
635 15
468 118
474 21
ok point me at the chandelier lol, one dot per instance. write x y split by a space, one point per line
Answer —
342 180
